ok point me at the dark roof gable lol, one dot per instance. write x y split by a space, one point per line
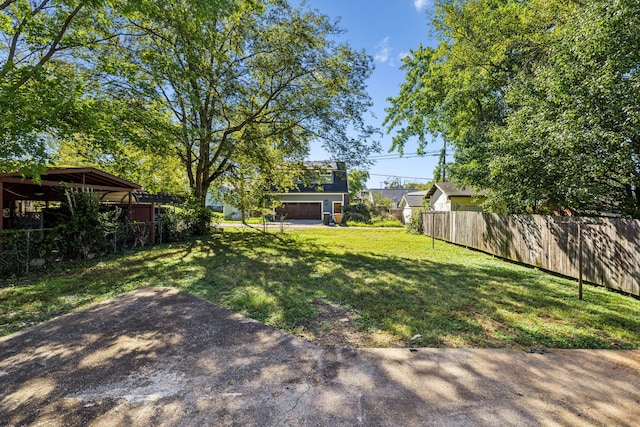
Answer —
451 190
339 182
415 199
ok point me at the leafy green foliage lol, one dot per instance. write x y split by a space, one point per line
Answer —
357 212
197 219
243 91
40 92
81 224
539 99
416 224
357 180
154 168
576 131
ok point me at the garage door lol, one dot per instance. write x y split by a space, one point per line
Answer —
300 210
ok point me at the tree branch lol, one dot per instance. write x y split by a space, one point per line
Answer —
6 4
53 48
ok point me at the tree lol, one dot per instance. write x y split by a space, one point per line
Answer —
576 129
156 170
242 91
382 202
417 185
47 76
441 171
393 182
539 99
39 86
357 182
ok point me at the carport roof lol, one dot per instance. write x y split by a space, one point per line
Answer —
74 177
111 188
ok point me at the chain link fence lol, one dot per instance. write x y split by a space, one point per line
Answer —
29 250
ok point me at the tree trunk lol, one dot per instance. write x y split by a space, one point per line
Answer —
200 193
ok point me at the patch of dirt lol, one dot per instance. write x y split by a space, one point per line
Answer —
337 326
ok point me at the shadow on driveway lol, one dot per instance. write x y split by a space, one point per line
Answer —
160 357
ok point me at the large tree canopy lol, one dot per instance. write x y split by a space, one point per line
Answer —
38 88
539 98
47 54
240 94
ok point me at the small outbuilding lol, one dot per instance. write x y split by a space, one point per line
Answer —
411 203
445 196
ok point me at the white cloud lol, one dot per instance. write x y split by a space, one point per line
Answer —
420 4
383 51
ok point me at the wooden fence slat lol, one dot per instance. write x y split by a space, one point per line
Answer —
610 249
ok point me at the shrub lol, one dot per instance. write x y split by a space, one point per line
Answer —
196 219
358 212
173 228
82 224
416 225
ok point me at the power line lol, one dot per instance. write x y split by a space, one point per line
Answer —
401 177
403 156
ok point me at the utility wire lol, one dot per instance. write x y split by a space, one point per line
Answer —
401 177
404 155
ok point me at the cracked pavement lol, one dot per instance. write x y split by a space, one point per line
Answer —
160 357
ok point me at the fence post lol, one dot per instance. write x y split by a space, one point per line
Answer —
28 250
433 231
580 261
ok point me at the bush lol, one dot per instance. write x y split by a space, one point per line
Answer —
358 212
416 225
83 225
173 229
195 218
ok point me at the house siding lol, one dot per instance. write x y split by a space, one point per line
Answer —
407 213
440 202
465 204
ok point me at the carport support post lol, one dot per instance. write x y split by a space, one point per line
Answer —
130 207
153 222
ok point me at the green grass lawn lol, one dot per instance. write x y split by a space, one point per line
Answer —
350 286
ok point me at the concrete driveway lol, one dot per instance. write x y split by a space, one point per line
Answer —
159 357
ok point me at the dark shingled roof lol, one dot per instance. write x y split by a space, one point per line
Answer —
451 190
415 199
339 183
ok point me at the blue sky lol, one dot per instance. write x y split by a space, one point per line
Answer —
387 30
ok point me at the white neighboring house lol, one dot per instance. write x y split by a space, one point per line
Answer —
410 203
445 196
217 204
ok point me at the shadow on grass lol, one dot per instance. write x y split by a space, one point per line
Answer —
449 304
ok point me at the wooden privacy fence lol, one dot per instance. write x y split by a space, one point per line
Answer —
610 247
